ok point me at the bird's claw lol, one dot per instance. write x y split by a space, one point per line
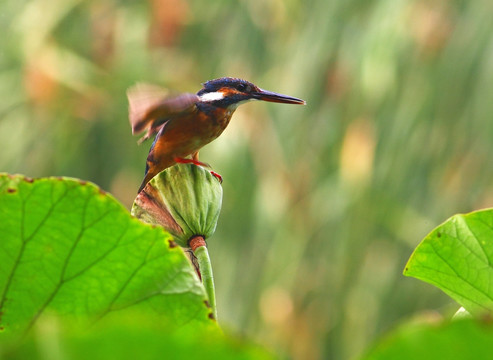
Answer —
218 177
191 161
199 163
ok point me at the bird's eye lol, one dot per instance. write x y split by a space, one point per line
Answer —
242 87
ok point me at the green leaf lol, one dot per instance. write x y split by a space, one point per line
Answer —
129 336
457 257
458 340
69 248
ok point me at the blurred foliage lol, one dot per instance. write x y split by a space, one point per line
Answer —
458 340
322 204
130 335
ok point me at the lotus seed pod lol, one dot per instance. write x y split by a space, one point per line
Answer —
184 199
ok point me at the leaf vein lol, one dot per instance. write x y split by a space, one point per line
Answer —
25 241
460 276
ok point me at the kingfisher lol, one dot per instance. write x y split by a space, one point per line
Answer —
187 122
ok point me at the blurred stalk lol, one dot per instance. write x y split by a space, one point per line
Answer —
199 248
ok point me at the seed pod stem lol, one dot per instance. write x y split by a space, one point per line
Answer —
199 248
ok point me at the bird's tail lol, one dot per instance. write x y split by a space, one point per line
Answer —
147 178
154 168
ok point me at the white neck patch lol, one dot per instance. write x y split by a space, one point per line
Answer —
212 96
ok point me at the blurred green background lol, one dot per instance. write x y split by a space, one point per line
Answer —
323 204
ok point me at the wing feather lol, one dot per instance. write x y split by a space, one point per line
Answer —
150 107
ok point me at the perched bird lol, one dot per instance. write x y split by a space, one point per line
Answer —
187 122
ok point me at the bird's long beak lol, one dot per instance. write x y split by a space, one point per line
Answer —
278 98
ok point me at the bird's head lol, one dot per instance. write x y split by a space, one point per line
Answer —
230 92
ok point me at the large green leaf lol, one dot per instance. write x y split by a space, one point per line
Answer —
457 257
69 248
129 336
458 340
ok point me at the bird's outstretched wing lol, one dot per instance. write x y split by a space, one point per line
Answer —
150 107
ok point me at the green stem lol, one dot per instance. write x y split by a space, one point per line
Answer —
207 277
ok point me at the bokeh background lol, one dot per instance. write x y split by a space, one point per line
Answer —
323 204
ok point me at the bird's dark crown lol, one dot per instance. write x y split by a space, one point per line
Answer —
227 82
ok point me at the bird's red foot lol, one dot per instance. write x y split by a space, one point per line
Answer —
199 163
218 177
191 161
